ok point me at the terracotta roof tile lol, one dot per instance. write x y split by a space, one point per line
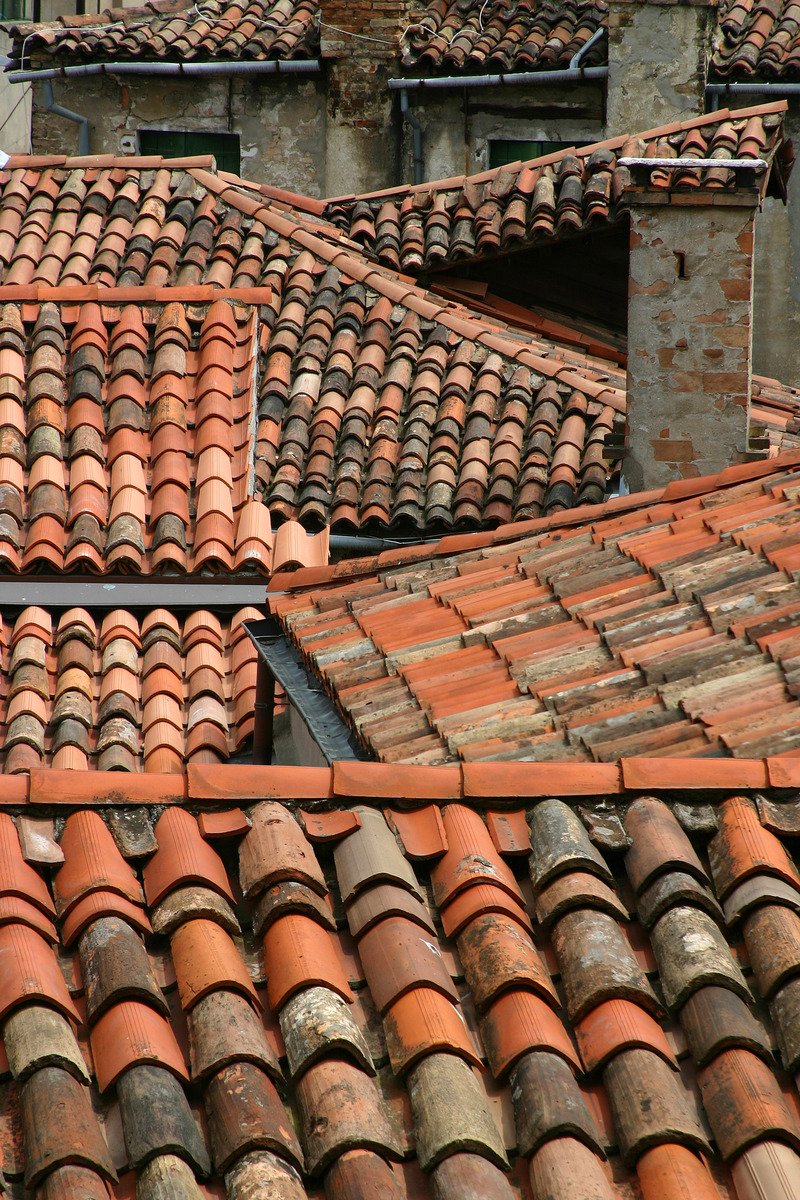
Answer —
560 684
457 37
756 40
449 1051
141 693
488 213
224 29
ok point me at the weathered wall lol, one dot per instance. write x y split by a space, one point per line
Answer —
15 110
360 133
689 338
458 127
279 122
656 56
776 317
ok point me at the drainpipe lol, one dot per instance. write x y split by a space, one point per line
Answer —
58 110
411 118
579 56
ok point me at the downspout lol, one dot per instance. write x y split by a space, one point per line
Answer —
578 57
411 118
58 110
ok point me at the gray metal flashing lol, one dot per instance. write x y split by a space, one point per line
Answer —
72 592
306 694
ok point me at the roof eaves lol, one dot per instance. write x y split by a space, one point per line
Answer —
477 783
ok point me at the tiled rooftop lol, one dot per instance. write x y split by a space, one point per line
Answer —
124 691
376 402
431 225
403 998
176 30
757 39
664 624
471 36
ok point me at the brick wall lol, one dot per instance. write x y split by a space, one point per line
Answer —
689 333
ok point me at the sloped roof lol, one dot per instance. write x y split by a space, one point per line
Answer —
666 623
377 401
432 225
175 31
467 35
436 988
757 39
124 691
128 441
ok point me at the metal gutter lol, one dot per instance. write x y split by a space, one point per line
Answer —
715 90
573 73
303 692
310 66
523 79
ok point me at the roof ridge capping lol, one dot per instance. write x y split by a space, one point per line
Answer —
774 107
375 782
129 162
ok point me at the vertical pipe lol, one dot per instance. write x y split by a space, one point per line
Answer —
59 111
412 119
264 714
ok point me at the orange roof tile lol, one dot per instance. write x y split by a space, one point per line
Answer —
488 682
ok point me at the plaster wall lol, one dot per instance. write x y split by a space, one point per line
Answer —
776 317
656 55
457 126
280 123
689 333
15 110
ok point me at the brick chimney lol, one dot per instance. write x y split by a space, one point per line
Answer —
656 61
360 41
690 293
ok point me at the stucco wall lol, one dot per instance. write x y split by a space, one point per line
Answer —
656 56
15 110
689 333
279 123
457 128
776 317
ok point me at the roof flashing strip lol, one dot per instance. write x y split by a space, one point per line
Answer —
304 693
149 592
728 164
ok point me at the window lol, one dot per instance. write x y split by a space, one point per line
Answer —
12 10
171 143
502 152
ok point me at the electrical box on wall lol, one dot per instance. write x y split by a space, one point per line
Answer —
127 144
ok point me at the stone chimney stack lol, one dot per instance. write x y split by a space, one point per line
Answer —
690 299
360 42
656 61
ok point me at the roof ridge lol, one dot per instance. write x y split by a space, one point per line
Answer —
697 122
131 162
